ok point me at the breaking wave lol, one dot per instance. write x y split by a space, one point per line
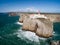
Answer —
19 23
29 37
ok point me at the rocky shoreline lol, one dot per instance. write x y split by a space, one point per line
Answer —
41 26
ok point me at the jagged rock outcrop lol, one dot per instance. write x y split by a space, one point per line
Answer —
41 26
29 24
26 24
22 17
33 25
45 28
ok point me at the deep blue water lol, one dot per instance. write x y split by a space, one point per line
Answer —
56 28
10 33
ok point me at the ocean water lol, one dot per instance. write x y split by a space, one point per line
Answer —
11 32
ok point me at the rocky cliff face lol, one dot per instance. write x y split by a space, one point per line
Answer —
42 27
29 25
23 17
45 28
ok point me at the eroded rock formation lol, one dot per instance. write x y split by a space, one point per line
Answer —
41 26
45 28
29 24
23 17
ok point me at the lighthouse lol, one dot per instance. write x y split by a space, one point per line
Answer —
38 16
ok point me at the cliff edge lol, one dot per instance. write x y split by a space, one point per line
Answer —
41 25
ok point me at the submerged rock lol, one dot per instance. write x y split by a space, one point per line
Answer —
55 42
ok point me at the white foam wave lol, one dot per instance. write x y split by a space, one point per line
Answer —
31 36
19 23
55 34
28 35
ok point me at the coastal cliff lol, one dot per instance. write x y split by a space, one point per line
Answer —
45 28
41 26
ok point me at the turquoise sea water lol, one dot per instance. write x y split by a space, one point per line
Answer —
12 34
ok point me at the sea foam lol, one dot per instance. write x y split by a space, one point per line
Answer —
29 36
19 23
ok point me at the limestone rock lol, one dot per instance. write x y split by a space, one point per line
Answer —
29 24
26 24
41 26
32 25
44 29
22 17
